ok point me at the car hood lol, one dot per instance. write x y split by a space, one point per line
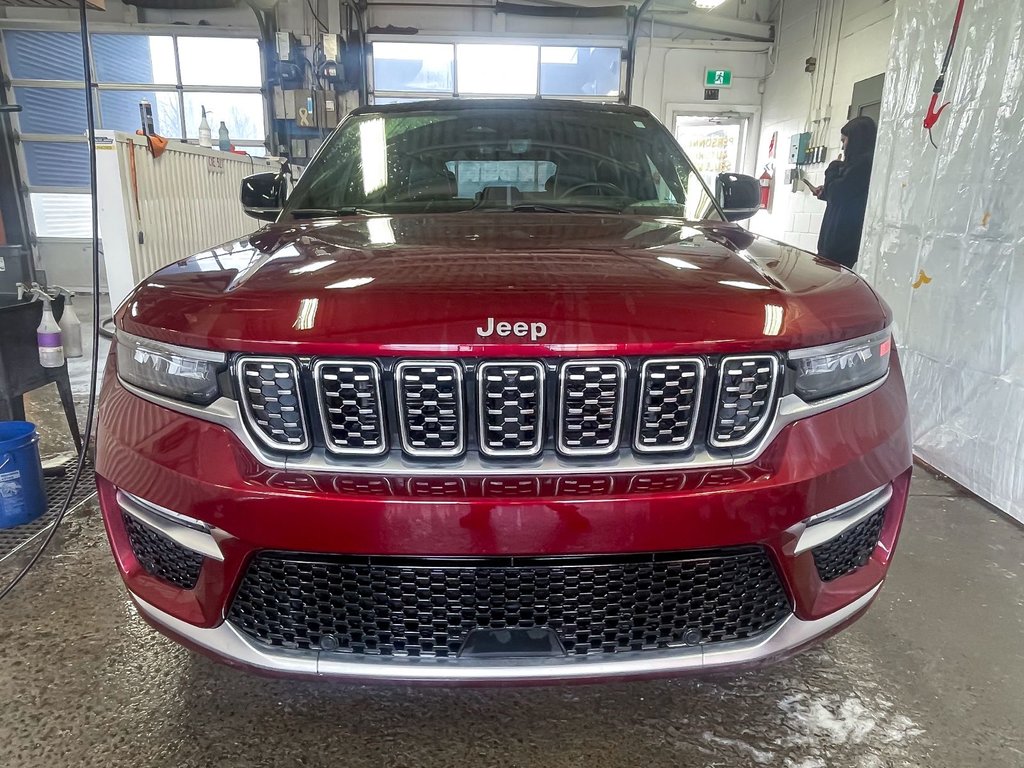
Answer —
601 284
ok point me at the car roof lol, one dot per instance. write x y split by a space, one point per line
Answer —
538 105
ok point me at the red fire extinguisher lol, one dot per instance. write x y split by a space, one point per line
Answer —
765 180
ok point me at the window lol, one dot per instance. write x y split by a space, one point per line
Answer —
416 71
497 70
541 158
222 74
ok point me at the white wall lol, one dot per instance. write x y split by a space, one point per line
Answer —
858 49
670 80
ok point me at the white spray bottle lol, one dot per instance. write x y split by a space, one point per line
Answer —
48 337
70 326
205 134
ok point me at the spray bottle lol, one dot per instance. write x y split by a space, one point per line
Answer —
205 134
48 336
70 326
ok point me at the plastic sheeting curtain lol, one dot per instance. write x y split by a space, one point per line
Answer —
944 240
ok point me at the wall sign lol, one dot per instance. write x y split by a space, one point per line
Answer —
712 94
718 78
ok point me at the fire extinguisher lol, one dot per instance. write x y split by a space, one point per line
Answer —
765 179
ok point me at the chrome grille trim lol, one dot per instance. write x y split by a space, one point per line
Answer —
227 412
563 405
766 416
369 367
248 412
642 408
536 445
402 369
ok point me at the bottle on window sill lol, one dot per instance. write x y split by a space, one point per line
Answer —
205 134
223 139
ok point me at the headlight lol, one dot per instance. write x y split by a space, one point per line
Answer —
166 369
836 368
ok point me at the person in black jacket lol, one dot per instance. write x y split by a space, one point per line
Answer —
846 193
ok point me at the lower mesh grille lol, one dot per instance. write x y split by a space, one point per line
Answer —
849 550
162 557
426 608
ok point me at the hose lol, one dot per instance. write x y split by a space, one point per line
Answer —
80 466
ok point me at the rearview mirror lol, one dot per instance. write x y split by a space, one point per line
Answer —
263 195
739 195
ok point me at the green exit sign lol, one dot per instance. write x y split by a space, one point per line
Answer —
718 78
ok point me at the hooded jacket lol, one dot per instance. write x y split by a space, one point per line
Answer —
846 193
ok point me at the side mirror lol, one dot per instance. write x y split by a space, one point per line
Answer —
739 195
263 195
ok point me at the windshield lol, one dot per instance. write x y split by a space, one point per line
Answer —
441 161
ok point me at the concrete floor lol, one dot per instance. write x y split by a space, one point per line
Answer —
932 676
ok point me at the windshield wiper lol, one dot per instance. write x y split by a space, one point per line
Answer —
548 208
331 213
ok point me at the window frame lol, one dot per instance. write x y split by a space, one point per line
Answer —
175 32
540 42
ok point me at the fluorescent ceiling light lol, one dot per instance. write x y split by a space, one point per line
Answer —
707 5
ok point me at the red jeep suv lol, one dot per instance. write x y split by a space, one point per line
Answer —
500 396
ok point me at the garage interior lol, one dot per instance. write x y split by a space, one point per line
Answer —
932 675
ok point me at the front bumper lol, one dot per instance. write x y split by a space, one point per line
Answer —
200 470
226 643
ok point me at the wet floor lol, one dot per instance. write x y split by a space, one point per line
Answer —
932 676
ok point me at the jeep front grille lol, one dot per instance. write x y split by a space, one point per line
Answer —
272 401
430 408
590 407
350 406
746 388
669 404
504 410
511 405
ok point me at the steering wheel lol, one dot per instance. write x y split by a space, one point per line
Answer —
614 188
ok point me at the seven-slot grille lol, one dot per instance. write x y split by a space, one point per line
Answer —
430 406
669 404
351 406
590 407
272 401
426 608
746 385
501 408
511 405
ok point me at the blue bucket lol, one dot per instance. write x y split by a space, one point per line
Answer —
22 493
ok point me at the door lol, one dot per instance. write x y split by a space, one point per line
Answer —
867 98
714 143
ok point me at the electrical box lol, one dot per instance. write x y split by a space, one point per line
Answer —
798 148
347 101
326 109
331 45
305 109
280 109
298 106
285 42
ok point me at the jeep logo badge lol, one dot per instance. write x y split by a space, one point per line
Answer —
521 329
